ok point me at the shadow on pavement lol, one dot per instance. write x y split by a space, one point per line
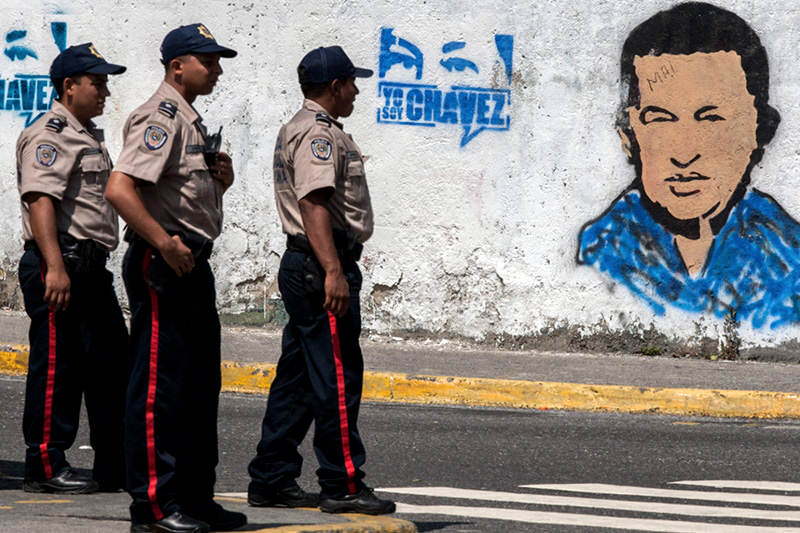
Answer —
11 474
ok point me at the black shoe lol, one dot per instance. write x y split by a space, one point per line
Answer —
66 482
291 496
217 517
361 502
174 523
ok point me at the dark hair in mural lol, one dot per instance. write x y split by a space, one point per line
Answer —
685 29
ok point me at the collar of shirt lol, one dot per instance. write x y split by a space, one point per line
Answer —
311 105
60 109
167 91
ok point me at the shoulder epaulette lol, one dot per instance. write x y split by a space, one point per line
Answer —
323 117
56 124
168 108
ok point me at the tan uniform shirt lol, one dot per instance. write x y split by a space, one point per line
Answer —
58 156
163 147
313 152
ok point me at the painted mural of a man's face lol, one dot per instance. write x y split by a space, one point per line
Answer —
695 115
696 130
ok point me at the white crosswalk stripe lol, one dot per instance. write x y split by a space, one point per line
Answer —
679 514
622 490
745 485
597 503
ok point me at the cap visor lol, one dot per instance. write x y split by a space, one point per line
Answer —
106 68
213 48
362 73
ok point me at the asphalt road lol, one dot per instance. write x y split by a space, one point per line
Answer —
413 448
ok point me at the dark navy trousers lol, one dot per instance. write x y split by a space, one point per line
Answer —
79 352
173 394
319 378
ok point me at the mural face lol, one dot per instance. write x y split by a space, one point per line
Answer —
689 232
695 132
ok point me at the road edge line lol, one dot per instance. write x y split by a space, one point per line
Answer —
255 378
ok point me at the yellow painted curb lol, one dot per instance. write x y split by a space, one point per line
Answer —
358 524
13 359
445 390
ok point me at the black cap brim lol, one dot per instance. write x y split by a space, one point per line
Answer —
214 48
362 73
106 68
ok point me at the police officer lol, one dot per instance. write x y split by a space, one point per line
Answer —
168 185
77 333
324 207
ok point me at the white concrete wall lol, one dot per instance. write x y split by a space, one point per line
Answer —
472 240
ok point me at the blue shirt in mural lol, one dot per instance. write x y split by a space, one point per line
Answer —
753 264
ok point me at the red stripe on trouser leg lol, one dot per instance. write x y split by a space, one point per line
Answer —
151 396
50 386
343 425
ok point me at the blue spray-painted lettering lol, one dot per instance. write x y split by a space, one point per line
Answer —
29 95
475 109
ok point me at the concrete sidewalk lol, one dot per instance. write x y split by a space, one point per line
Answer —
442 372
103 513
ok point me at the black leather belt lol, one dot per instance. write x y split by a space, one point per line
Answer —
79 255
344 242
200 246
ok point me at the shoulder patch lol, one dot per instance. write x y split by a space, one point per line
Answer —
323 117
154 137
168 108
56 124
321 148
46 154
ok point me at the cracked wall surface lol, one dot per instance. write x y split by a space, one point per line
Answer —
476 240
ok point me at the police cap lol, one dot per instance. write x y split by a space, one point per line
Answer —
192 38
82 59
325 64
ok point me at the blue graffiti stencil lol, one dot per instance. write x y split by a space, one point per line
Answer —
29 95
17 52
388 58
475 109
458 63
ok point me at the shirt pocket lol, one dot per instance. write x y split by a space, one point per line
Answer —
200 182
355 179
94 171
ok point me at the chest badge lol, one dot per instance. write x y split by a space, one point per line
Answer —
321 148
154 137
46 154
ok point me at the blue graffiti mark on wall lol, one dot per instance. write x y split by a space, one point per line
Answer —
29 95
458 63
388 58
505 47
18 52
753 266
475 109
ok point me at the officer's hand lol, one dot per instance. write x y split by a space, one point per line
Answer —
337 293
178 256
223 170
56 289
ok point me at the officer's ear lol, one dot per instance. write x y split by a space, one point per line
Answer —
335 86
70 83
